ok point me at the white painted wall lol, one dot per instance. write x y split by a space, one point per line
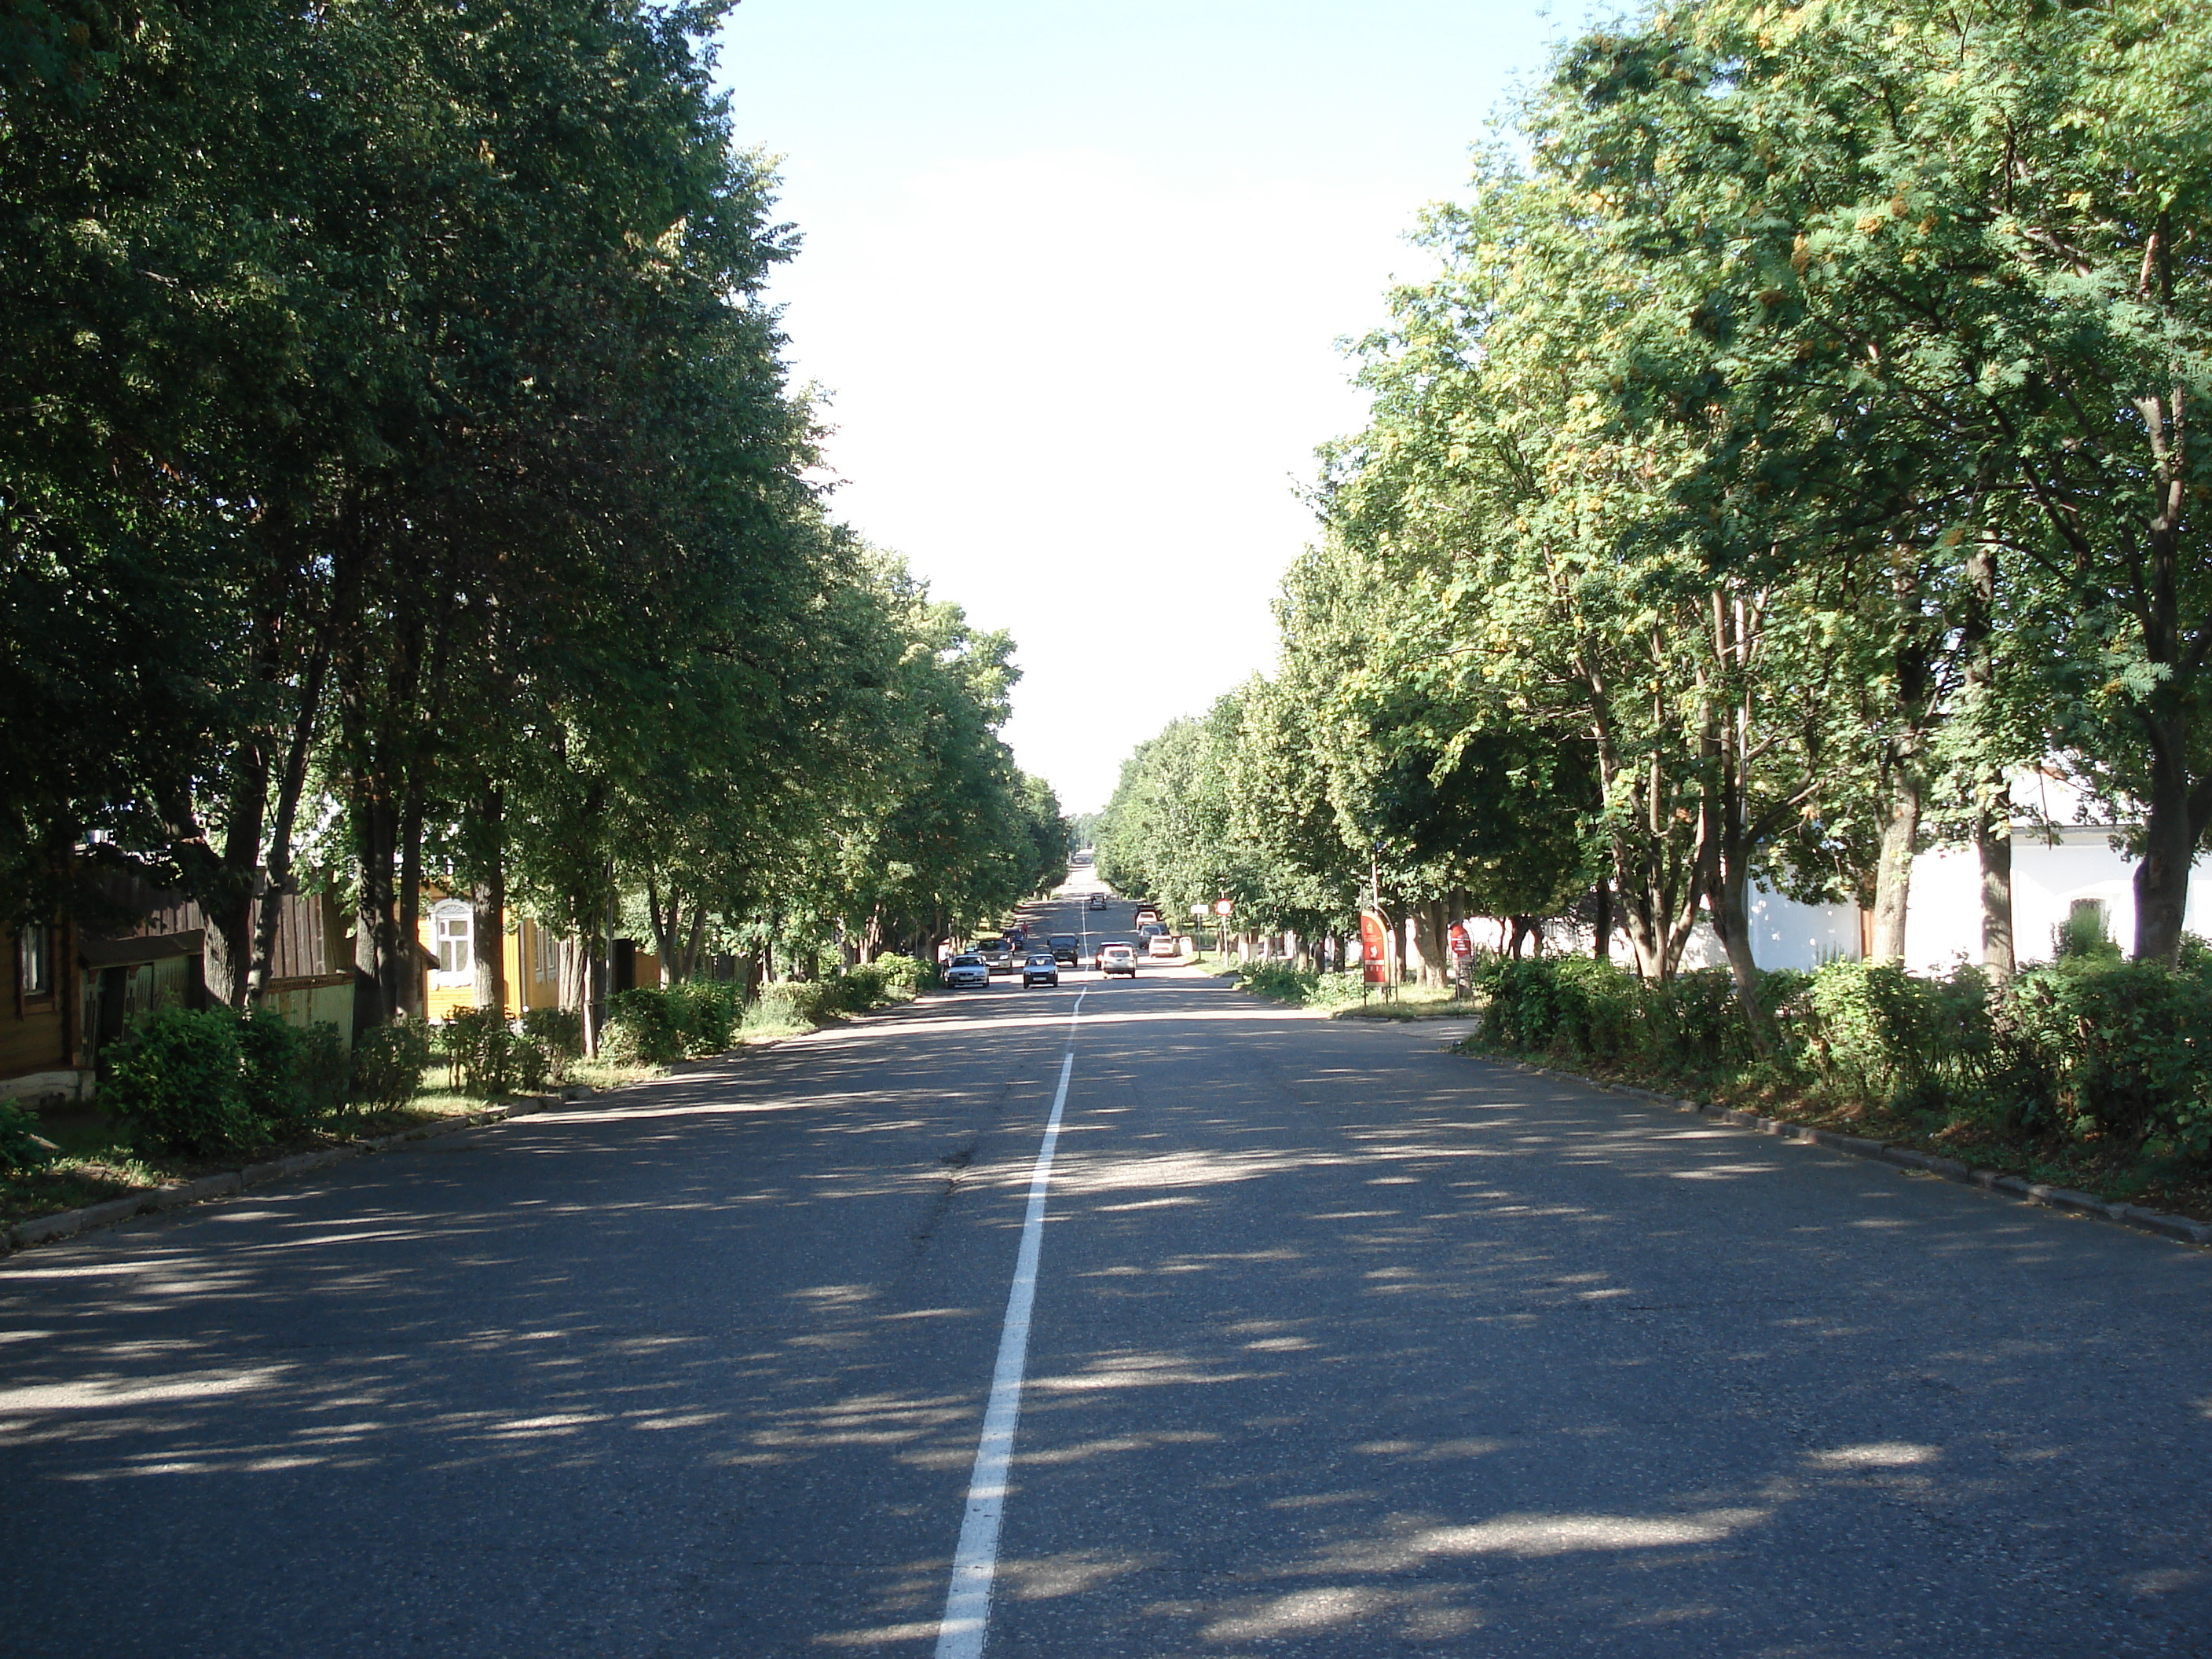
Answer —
2051 870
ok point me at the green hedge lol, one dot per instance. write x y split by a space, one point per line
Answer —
2088 1044
206 1081
388 1063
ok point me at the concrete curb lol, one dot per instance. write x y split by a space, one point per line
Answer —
229 1183
2176 1227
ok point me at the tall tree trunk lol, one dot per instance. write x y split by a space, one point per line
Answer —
1730 896
1900 833
1993 849
666 923
375 927
1601 946
278 886
1428 944
488 900
229 908
408 997
2173 826
1992 793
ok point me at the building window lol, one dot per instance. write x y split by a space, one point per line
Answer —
34 960
450 926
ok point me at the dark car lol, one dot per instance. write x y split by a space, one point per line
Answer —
1065 947
1041 967
1017 936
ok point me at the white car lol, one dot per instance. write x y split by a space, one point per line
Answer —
1116 956
964 972
1162 944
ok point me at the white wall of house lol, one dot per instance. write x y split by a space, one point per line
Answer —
2053 870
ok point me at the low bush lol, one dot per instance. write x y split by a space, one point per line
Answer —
2099 1047
178 1082
484 1057
21 1146
388 1063
644 1028
906 977
790 1002
557 1035
1276 982
707 1013
292 1076
2088 1045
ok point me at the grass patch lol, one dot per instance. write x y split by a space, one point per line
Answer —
98 1162
1341 995
2113 1173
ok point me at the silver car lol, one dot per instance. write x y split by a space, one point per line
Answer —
967 972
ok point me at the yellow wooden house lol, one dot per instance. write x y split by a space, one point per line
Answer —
531 954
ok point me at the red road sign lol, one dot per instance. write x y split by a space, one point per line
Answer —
1374 949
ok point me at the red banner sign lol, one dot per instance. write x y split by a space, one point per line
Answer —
1374 949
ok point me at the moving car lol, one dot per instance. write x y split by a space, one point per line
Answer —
965 970
1043 967
1065 947
998 955
1017 936
1161 944
1096 902
1117 956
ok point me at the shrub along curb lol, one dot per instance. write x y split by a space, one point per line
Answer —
2176 1227
230 1182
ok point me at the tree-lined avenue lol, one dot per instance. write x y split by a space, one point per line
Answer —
1342 1344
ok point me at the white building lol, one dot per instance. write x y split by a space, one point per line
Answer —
2062 862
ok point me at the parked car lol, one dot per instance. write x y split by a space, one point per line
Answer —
967 970
1096 902
1162 945
1149 930
1117 956
1041 967
1146 913
998 955
1065 947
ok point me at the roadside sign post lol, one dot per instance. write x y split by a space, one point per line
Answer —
1222 908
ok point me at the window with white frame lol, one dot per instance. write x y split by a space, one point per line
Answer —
451 926
34 960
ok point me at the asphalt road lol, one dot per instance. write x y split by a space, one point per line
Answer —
1342 1346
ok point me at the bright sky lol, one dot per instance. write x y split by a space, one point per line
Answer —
1074 279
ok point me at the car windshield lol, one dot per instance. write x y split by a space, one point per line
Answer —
967 961
1041 961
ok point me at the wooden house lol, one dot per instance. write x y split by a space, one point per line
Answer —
530 954
70 990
